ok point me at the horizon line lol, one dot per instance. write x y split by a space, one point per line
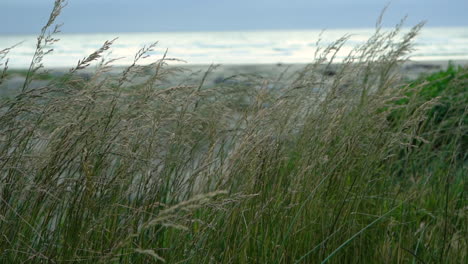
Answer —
228 30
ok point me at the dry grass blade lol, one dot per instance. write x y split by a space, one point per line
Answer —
150 253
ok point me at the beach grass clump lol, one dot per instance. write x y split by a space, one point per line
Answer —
352 167
448 87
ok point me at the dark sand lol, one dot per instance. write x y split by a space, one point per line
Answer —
193 73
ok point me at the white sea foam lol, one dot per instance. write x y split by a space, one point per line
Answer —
231 47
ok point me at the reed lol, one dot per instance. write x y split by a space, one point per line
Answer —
354 167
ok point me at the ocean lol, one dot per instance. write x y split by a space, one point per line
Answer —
243 47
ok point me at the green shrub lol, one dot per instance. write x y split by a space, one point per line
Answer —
446 93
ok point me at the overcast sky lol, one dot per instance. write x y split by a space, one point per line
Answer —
81 16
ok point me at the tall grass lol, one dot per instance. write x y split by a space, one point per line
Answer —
355 167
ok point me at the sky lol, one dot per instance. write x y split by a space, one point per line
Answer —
100 16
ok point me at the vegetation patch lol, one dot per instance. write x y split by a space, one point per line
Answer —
351 167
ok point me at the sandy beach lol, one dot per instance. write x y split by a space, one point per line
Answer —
409 71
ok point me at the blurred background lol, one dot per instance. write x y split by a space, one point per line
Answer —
229 32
